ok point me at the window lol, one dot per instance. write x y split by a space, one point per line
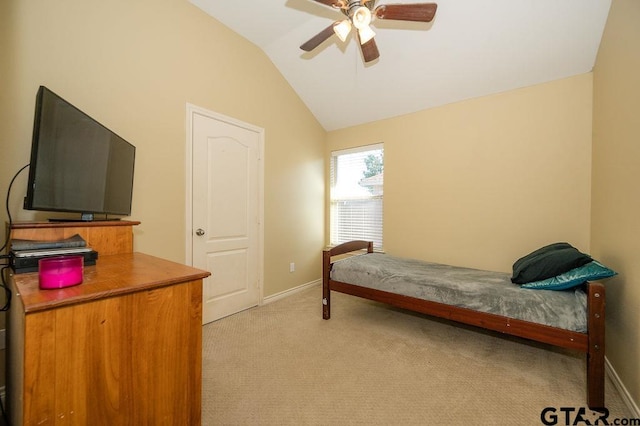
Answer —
356 195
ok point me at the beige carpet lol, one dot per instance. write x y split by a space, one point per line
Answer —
281 364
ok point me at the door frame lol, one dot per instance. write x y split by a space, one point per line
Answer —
192 110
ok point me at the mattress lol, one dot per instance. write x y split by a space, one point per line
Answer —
478 290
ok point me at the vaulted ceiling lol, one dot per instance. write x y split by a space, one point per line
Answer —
470 49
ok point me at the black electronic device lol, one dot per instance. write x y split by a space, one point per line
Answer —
77 164
27 260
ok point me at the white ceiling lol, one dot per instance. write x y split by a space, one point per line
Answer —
471 48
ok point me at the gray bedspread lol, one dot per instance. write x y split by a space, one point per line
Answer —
475 289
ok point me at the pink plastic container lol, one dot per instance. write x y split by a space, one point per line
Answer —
60 272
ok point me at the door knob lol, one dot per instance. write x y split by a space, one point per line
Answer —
199 232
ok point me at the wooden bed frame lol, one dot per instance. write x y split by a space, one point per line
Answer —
591 343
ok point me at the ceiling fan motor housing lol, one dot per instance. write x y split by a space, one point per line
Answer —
353 5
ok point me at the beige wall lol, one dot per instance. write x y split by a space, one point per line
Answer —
477 183
482 182
616 179
134 65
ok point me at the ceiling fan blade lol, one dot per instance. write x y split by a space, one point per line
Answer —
420 12
316 40
370 50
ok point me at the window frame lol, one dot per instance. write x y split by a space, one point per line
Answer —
333 158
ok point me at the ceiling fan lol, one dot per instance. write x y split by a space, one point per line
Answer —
359 15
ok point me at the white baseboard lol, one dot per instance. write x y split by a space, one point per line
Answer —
624 393
286 293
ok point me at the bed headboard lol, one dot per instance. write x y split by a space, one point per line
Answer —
350 246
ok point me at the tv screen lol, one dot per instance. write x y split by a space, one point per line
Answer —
77 164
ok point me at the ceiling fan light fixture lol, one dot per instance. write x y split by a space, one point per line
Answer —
342 29
361 18
366 34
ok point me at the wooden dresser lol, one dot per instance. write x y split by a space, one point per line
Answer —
122 348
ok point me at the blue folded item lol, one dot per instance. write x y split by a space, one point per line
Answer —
592 271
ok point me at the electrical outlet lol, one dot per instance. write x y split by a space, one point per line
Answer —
292 267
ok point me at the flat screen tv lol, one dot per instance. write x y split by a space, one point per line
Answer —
77 164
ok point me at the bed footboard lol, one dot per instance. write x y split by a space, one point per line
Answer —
595 353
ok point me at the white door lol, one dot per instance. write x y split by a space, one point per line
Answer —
226 206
